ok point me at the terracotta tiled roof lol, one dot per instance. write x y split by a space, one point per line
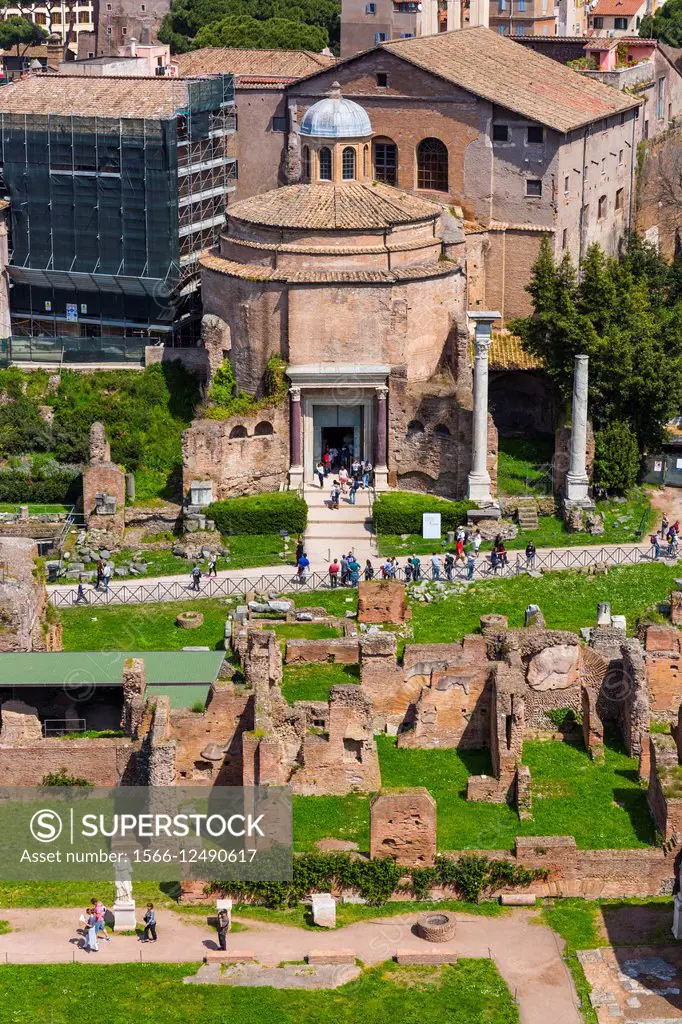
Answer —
504 72
261 63
507 353
90 97
352 204
256 272
617 8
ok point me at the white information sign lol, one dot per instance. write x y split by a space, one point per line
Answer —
431 525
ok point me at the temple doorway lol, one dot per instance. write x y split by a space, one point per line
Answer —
340 427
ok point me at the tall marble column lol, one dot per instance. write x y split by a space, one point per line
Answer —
577 482
295 463
479 478
381 444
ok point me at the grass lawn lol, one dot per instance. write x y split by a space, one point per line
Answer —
470 992
523 465
302 630
603 806
79 894
36 510
552 532
336 602
143 627
313 682
568 600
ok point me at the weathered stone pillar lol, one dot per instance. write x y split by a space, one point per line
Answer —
381 445
295 463
479 478
577 481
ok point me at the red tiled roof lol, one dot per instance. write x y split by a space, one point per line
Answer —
234 60
617 8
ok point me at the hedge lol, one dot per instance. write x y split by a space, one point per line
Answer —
401 512
262 513
60 486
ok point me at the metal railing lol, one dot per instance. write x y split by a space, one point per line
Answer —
226 587
61 726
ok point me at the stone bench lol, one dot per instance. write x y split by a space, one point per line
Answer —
425 958
230 956
518 899
331 956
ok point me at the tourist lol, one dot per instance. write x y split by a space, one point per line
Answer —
366 474
369 570
100 926
502 553
100 574
416 567
299 548
672 545
530 555
355 469
89 921
106 577
334 495
345 571
676 527
303 566
459 533
149 924
334 569
223 926
477 541
471 565
343 479
354 488
320 473
327 463
494 560
664 525
656 545
354 568
450 564
195 576
213 565
80 595
459 551
408 571
387 569
435 566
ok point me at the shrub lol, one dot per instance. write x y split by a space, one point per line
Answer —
262 513
226 399
616 457
401 512
47 484
62 778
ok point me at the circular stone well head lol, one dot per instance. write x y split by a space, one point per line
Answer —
436 926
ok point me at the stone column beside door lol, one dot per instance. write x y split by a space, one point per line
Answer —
295 440
479 477
381 444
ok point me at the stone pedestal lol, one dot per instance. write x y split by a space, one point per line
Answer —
324 910
577 482
677 917
479 478
295 463
124 916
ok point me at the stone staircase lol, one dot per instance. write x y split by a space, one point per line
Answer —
528 515
330 533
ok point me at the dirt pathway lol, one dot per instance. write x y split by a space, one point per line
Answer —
526 952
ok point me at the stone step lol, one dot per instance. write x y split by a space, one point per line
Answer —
338 530
331 956
344 514
424 957
230 956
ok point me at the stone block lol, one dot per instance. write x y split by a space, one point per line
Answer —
230 956
403 826
492 624
284 607
517 899
331 956
343 651
425 958
676 607
20 723
603 613
619 622
554 668
324 910
382 601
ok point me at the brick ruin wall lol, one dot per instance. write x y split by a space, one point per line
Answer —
235 455
102 762
22 597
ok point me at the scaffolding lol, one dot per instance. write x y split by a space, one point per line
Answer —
107 218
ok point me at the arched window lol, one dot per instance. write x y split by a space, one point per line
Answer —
238 432
348 164
306 162
263 429
325 164
432 165
415 427
442 431
365 154
386 162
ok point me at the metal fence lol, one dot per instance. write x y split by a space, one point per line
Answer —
225 586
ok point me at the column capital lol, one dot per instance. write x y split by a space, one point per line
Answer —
295 393
382 392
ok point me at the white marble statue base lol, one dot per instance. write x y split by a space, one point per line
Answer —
124 916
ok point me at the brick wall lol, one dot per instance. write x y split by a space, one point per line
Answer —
102 762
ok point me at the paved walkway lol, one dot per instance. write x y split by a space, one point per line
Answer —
527 953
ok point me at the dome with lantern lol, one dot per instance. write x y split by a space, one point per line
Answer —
336 117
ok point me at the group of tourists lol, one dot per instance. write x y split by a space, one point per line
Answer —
669 535
352 475
346 571
196 573
93 920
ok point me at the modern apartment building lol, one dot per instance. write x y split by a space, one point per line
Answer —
115 187
617 17
67 20
366 24
523 17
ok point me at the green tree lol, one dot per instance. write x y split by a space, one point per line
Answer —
20 32
665 25
276 33
626 315
186 17
616 458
